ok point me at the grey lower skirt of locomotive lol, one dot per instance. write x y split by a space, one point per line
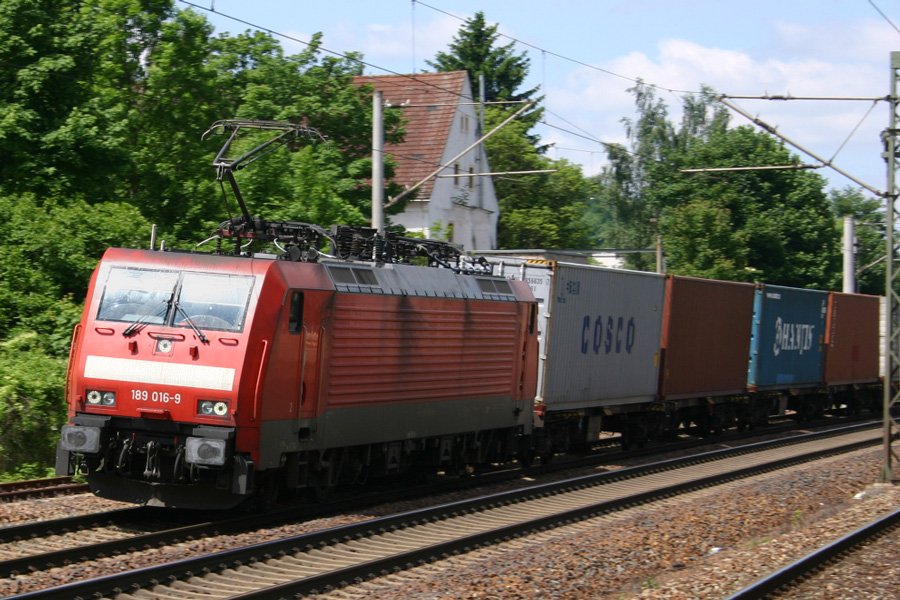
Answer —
157 463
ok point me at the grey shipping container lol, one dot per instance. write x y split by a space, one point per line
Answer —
599 331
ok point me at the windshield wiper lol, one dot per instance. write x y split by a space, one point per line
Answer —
140 322
190 321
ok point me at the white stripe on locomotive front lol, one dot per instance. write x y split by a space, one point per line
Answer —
159 373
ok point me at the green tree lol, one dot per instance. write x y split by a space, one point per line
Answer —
69 69
326 180
169 174
47 254
770 225
474 49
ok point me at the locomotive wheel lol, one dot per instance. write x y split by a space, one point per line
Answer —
266 494
320 487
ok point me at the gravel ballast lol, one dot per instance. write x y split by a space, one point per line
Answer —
705 544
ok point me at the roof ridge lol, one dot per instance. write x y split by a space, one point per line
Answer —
429 117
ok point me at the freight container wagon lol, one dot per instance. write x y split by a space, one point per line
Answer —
705 338
600 332
787 346
598 350
852 352
851 339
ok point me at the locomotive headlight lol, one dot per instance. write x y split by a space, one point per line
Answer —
77 438
211 408
98 398
205 451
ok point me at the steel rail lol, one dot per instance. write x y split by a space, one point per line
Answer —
38 488
817 559
340 537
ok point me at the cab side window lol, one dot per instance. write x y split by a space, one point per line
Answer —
295 320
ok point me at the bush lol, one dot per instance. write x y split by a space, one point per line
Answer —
32 405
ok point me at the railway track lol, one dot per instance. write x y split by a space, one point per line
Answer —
40 488
795 573
319 560
41 545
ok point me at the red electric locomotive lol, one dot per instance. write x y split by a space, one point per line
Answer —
198 379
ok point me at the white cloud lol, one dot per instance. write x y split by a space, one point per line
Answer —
393 46
597 101
840 42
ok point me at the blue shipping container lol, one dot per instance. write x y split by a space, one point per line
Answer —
786 348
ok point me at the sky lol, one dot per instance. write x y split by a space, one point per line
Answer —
586 54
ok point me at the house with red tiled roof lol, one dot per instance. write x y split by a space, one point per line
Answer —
441 120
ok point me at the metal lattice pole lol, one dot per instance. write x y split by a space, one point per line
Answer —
892 316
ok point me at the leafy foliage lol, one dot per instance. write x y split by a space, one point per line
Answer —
103 104
31 385
753 225
475 49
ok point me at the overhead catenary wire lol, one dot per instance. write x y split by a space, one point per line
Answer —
412 77
386 70
774 131
563 57
544 52
880 12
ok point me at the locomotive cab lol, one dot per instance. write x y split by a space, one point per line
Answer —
154 376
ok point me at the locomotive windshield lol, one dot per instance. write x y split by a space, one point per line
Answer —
179 299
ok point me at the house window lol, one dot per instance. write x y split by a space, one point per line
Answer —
456 172
471 176
464 123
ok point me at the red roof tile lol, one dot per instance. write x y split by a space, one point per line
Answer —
431 100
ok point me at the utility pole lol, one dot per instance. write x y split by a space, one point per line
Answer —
480 152
892 305
848 245
378 162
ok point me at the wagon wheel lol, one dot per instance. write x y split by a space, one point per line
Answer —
526 452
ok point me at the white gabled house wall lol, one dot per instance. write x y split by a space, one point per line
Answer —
463 210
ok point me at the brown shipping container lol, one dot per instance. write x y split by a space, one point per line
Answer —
851 339
705 337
